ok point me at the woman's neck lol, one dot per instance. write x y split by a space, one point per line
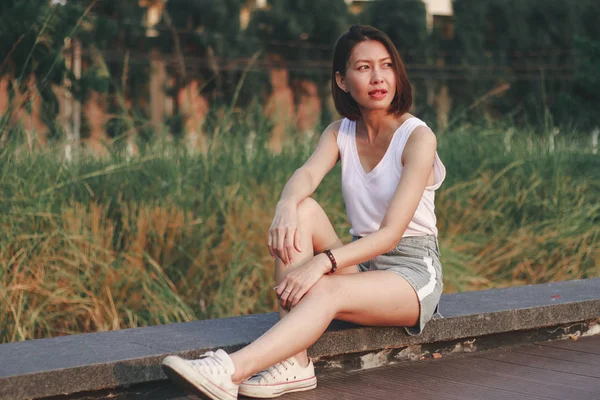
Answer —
376 123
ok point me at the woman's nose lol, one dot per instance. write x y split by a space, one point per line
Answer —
376 77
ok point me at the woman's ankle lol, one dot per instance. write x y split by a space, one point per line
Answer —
237 379
302 359
241 369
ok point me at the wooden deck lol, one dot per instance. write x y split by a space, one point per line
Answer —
565 370
561 370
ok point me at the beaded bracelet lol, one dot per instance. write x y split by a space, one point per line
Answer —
332 259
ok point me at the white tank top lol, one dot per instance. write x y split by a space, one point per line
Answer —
367 195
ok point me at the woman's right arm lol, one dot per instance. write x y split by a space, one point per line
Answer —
283 233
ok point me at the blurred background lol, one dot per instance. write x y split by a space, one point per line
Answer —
144 145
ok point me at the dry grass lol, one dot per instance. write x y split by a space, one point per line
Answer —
72 272
172 237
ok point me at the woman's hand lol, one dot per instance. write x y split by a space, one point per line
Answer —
283 233
300 280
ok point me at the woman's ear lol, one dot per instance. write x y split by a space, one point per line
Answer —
340 81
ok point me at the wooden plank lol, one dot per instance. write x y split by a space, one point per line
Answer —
381 383
559 354
461 379
563 370
585 345
393 382
451 381
545 363
525 381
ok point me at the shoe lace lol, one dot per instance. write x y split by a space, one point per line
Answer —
278 368
209 362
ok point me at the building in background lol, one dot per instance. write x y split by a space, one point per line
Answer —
440 17
439 13
246 11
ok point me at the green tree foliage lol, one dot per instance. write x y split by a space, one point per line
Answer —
115 32
207 23
547 50
209 35
301 34
404 22
215 50
294 30
580 104
32 36
530 44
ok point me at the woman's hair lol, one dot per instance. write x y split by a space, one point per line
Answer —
344 103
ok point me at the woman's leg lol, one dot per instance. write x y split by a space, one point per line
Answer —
317 234
371 298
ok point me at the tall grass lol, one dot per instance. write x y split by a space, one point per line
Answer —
171 236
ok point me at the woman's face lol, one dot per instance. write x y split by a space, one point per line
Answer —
370 77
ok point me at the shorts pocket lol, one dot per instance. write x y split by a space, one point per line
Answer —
433 253
417 241
413 248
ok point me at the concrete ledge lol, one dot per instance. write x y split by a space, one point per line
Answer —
97 361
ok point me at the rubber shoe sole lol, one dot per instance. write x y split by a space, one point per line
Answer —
182 374
277 389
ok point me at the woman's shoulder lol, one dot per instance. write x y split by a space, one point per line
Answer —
411 121
336 127
415 133
412 125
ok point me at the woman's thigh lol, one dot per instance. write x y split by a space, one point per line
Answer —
377 298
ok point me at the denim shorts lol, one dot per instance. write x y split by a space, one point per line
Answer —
416 259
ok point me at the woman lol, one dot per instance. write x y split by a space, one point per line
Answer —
389 275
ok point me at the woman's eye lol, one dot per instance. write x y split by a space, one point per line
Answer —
363 67
388 64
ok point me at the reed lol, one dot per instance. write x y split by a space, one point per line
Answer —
170 236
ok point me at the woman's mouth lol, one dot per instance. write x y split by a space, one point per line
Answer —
378 94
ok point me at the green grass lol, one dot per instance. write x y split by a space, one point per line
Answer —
170 236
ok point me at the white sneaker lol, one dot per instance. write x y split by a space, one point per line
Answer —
284 377
210 375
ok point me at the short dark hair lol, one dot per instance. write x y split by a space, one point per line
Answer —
344 103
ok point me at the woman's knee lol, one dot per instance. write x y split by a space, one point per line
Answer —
314 219
309 208
325 292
